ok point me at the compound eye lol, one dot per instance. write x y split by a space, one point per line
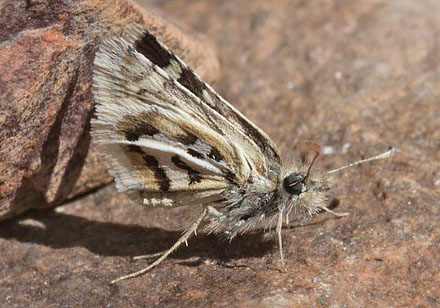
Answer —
296 189
293 183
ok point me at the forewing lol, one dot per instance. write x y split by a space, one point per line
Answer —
164 144
146 44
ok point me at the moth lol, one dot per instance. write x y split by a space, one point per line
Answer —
169 140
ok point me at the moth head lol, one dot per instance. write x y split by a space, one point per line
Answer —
309 191
297 183
305 192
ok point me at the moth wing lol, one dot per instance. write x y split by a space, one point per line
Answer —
262 152
163 144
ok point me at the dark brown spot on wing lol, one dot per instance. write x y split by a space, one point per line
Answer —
159 173
135 149
152 163
133 127
215 154
187 138
152 50
189 80
194 175
194 153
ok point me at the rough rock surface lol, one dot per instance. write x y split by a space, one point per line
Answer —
355 76
46 55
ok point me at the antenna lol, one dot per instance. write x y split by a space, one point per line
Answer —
315 148
383 155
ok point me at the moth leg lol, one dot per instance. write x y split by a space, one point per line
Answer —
280 239
176 245
213 212
333 212
153 255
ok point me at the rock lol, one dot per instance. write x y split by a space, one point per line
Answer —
46 105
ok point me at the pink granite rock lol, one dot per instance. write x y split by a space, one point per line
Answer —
46 105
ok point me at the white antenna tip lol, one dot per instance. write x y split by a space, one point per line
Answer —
383 155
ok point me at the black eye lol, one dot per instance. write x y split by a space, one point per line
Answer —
292 183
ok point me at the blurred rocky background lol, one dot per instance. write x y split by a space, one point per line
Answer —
355 76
